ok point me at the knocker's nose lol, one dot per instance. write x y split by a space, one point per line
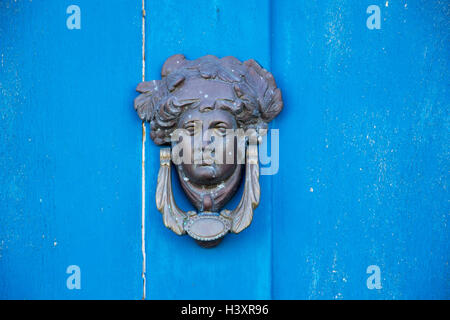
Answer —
207 143
208 153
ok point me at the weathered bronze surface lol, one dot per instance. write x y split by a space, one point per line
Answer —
219 95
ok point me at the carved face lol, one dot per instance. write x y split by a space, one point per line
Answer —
204 113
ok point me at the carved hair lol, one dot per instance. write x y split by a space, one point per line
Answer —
257 98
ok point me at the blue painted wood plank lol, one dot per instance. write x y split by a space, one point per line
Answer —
177 268
363 149
70 150
365 132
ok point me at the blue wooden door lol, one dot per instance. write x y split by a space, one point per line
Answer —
357 209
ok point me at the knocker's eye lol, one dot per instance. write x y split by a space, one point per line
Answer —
190 127
220 129
191 130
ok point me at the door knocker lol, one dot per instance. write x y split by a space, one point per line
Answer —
211 112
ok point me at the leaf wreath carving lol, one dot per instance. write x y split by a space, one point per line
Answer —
257 98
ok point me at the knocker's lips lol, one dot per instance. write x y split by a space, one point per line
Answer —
209 168
205 164
205 173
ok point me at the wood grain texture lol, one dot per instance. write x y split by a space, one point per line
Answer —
365 137
240 267
70 150
364 151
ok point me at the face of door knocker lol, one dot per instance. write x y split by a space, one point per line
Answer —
211 112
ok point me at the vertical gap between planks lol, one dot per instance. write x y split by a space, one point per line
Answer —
143 166
271 176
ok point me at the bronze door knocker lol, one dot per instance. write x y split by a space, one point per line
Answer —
211 112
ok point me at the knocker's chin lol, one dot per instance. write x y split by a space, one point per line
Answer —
207 174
